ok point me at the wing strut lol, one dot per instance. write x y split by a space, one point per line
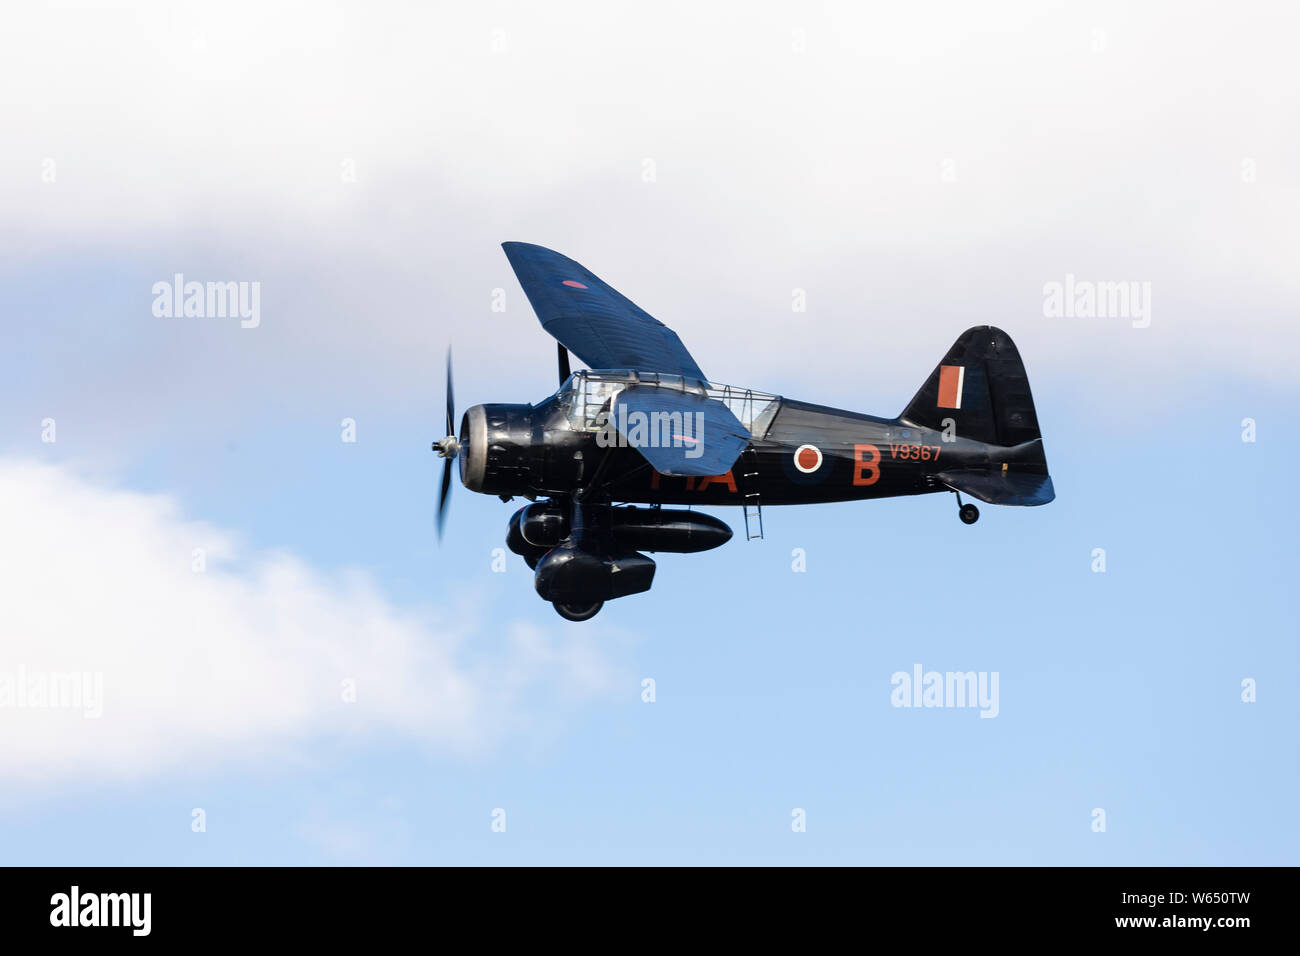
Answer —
563 354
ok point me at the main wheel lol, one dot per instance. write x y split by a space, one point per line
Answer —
969 514
578 612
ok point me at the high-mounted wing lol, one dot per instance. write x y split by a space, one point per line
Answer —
679 433
592 319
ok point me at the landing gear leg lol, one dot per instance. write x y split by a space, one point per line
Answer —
968 513
580 517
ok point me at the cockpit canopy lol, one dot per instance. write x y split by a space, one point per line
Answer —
588 392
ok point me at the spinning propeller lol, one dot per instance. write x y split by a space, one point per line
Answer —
447 448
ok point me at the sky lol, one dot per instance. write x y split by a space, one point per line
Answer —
284 666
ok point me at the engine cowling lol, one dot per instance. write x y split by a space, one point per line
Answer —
496 449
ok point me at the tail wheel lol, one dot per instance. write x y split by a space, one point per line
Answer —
968 513
578 612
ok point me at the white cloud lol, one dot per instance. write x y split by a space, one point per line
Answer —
243 661
794 148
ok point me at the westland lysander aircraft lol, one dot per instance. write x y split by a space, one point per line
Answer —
644 425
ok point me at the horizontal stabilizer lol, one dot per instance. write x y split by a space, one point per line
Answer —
998 487
679 433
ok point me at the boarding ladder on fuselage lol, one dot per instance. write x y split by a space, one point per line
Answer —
749 475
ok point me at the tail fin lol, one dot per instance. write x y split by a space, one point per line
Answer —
982 388
980 392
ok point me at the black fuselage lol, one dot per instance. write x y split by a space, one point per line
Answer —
806 455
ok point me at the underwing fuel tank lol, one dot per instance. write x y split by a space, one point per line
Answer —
543 525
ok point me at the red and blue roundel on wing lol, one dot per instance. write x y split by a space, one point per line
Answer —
573 284
807 458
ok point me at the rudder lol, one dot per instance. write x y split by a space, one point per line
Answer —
982 387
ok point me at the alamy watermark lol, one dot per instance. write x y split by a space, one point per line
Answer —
77 908
1085 299
53 690
637 429
922 688
209 300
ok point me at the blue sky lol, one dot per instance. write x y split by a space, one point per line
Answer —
1118 690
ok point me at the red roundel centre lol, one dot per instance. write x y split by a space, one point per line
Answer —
574 284
808 458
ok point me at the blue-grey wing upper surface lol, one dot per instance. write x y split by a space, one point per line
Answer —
679 433
592 319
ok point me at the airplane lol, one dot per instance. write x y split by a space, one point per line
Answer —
643 425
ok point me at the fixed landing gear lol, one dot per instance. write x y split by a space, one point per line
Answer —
968 513
577 612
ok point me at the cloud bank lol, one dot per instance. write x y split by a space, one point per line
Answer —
914 170
231 654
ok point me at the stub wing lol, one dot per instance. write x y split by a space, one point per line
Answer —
679 433
592 319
